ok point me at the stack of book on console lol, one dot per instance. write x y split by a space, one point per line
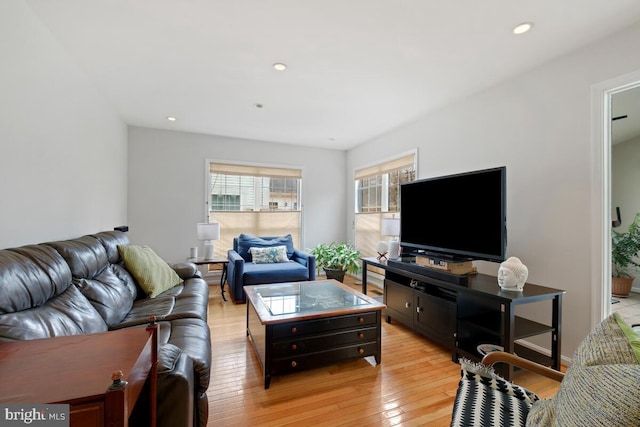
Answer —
460 267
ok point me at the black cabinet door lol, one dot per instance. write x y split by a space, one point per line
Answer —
399 301
436 317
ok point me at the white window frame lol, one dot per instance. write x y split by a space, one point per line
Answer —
227 240
368 249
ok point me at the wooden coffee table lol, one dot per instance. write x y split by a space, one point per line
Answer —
301 325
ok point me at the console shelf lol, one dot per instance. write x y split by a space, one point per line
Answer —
493 324
462 314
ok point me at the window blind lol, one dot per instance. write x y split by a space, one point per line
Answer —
254 199
377 190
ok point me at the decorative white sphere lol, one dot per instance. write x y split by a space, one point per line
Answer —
382 247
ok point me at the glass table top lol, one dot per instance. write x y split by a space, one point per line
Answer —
303 297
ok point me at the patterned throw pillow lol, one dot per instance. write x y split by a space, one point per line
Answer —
486 399
269 255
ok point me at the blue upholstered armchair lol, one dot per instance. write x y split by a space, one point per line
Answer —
257 260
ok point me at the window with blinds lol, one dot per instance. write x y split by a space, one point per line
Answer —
377 190
252 199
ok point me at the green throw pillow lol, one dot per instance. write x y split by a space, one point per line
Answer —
152 274
632 336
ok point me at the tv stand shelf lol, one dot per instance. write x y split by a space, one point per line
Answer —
461 316
492 323
410 265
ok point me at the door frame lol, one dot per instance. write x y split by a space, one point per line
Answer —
601 191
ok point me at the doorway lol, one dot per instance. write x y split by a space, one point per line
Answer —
602 113
625 175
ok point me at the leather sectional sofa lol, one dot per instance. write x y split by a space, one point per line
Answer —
82 286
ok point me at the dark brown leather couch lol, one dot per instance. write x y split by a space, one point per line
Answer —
81 286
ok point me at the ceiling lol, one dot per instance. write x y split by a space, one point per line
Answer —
356 68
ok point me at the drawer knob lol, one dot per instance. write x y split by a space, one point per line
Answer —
294 346
361 350
360 319
294 363
361 335
294 330
407 305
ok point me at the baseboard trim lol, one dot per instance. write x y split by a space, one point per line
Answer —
564 360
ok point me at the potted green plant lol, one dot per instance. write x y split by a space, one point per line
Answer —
337 259
625 247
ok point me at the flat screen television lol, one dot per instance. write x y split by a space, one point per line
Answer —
456 217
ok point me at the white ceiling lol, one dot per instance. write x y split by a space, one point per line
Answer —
356 68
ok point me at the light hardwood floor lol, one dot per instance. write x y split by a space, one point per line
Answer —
415 384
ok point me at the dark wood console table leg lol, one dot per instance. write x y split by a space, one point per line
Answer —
220 261
556 334
223 278
364 276
267 381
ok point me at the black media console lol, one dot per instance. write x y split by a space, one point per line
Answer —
462 313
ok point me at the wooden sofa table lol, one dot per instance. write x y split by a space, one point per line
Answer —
78 370
302 325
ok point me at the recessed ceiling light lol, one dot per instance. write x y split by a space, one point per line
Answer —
171 118
280 66
523 28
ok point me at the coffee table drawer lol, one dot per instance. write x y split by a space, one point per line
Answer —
324 341
312 360
293 329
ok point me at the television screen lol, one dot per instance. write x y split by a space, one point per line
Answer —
460 216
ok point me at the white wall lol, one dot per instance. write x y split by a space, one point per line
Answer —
625 188
167 186
538 125
63 161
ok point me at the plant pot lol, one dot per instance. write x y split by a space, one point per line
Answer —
334 273
621 286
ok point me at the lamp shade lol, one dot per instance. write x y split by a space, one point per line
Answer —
390 226
209 231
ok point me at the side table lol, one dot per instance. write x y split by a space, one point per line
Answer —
215 261
76 370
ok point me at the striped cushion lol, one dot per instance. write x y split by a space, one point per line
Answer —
486 399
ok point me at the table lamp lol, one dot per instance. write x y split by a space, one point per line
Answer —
391 227
208 232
